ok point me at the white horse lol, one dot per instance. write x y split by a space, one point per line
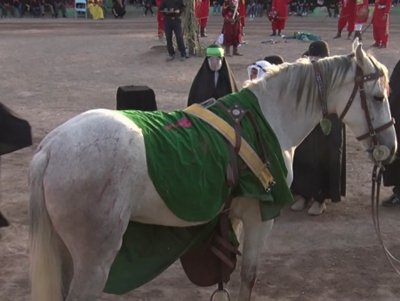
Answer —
89 177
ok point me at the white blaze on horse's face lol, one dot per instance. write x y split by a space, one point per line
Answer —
376 92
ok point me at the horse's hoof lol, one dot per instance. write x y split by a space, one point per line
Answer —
299 204
316 208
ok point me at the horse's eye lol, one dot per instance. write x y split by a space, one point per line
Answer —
379 98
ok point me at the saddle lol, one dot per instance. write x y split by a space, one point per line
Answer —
214 261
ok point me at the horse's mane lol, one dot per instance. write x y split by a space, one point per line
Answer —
301 81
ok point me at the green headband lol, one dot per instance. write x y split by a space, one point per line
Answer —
215 51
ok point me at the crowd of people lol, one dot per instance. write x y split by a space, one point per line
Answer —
37 8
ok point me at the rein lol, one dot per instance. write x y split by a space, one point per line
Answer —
379 152
375 203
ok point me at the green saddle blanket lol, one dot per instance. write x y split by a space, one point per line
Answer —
187 161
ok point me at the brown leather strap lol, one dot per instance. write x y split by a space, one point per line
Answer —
377 130
222 256
350 102
322 98
226 245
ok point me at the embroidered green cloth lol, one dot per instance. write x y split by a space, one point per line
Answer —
187 161
304 36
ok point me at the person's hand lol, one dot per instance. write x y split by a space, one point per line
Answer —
177 11
384 18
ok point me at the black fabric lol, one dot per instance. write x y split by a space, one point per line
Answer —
140 98
3 221
15 132
274 59
171 6
391 176
318 48
319 166
203 86
174 25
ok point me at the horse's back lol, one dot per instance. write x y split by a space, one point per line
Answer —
96 150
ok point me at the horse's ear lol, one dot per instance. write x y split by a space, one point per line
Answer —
360 54
355 44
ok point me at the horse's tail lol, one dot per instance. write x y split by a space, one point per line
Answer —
45 269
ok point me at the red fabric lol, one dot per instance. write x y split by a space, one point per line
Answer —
160 19
358 7
202 12
377 18
381 27
242 12
232 32
278 24
281 7
347 15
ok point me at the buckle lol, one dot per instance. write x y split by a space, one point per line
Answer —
208 103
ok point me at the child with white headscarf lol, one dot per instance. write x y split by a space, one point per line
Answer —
258 69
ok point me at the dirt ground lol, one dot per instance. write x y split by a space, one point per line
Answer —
51 71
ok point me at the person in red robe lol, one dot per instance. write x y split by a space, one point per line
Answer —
362 13
380 21
202 12
232 28
242 13
347 16
160 20
280 9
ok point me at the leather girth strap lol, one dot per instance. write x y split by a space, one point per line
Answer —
214 261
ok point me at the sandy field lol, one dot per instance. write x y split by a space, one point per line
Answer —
51 71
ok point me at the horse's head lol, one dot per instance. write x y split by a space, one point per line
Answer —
366 110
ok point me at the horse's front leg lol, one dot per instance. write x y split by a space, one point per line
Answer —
255 234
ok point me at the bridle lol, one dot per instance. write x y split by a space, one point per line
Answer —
380 152
359 81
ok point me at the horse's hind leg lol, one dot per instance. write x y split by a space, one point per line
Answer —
255 234
93 237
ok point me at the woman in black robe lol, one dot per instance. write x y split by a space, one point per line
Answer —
212 83
319 166
392 173
15 134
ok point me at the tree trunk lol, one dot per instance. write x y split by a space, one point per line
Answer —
191 29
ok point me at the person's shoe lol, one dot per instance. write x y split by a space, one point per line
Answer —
273 34
392 201
381 46
182 58
338 35
375 45
299 204
170 58
317 208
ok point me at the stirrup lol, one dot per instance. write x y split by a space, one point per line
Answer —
218 290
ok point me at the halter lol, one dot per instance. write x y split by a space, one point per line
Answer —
359 79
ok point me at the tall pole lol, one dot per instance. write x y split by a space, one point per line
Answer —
191 29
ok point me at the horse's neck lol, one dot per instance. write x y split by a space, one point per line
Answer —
290 121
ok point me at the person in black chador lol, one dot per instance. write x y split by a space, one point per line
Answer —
15 134
215 78
319 164
392 173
